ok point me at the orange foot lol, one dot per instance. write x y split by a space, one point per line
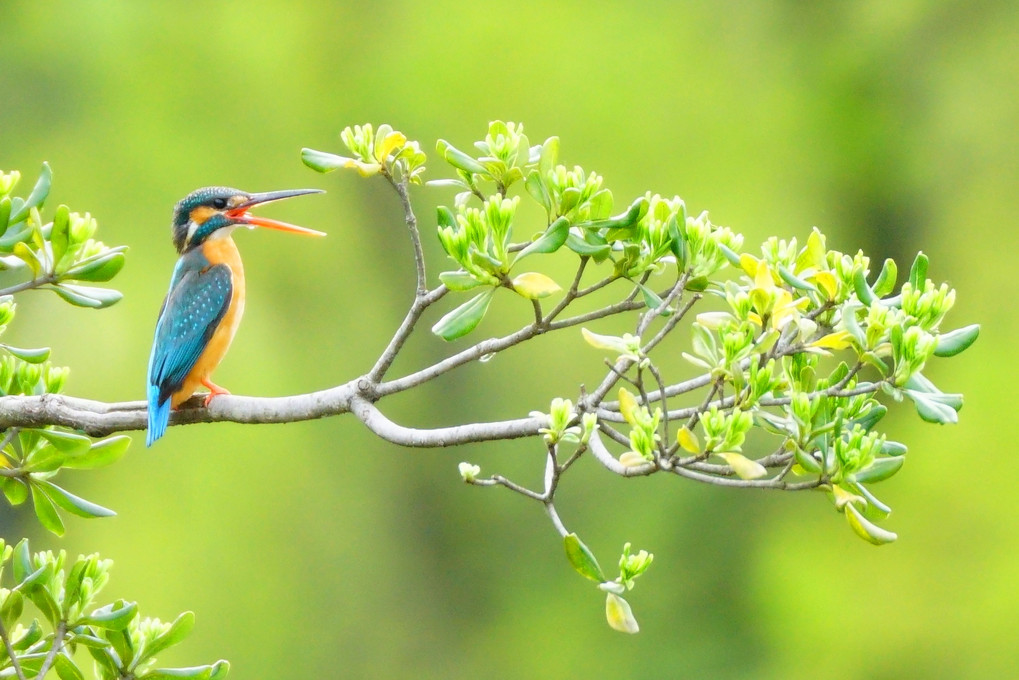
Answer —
214 390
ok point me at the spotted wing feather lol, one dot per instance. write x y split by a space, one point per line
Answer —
198 299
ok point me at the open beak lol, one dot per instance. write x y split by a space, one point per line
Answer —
240 213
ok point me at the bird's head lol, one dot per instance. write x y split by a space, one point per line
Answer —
215 211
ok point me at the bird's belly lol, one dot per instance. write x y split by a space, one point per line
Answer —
221 338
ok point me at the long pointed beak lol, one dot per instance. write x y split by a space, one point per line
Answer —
240 213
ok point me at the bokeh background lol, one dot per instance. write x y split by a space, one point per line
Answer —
315 550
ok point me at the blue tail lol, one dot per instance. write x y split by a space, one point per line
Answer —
159 416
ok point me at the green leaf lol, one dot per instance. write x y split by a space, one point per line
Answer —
66 442
216 671
873 416
74 504
66 670
458 159
867 530
105 659
15 236
538 191
46 512
880 470
581 247
625 220
549 242
619 615
653 301
15 490
113 617
444 217
464 318
98 268
39 193
931 409
957 341
460 281
22 562
59 232
12 608
32 356
87 296
890 448
549 155
89 641
5 213
677 241
885 283
582 558
321 161
101 453
918 272
863 291
177 631
793 280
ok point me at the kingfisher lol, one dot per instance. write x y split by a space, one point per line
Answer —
206 299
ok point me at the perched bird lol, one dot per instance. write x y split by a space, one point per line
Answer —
206 299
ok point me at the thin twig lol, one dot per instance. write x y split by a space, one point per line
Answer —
28 285
415 236
58 642
499 480
417 308
18 670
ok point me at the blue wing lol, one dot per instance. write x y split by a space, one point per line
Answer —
199 297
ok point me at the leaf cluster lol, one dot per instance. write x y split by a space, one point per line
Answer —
67 618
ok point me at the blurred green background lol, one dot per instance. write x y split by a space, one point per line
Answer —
315 550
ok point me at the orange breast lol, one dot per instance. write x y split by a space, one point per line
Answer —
217 251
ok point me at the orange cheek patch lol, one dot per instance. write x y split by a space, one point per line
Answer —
202 213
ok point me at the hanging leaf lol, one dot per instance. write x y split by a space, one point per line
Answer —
101 453
74 504
46 511
87 296
582 558
866 529
619 615
464 318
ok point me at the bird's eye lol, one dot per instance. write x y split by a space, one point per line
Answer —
219 203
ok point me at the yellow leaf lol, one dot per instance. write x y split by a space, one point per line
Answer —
836 340
619 615
628 405
534 285
828 282
867 530
763 278
743 466
364 169
392 140
749 263
688 440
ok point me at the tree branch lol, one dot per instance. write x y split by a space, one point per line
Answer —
18 670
